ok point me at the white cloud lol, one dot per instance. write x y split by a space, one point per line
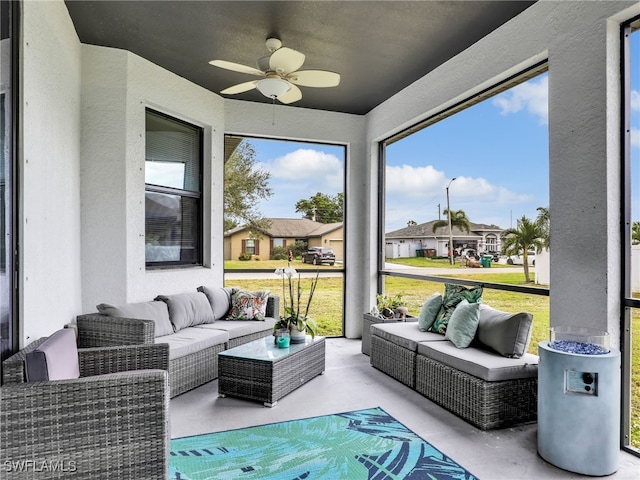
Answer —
532 96
413 193
304 164
635 137
635 100
414 182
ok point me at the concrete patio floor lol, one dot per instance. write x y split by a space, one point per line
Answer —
350 383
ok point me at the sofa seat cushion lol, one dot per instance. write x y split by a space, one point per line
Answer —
240 328
405 334
191 340
484 364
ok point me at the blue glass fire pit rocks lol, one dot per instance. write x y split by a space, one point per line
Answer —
569 346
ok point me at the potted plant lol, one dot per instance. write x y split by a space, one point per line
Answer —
387 305
295 318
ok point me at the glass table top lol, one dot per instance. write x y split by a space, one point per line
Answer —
265 349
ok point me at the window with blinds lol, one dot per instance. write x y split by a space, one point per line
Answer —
173 192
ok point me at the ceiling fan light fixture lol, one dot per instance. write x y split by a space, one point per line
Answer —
273 87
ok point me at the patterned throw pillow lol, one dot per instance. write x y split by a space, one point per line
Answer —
248 305
453 295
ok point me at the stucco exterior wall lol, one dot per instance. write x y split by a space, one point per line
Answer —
49 170
118 86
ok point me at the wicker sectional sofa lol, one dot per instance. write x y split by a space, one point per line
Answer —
488 388
195 325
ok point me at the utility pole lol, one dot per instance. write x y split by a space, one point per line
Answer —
438 211
449 217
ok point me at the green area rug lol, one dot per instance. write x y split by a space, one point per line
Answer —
365 444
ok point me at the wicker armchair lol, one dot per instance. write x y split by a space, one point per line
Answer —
112 422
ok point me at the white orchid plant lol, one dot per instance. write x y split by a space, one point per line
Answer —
294 316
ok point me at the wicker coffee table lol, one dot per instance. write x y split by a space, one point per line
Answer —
261 371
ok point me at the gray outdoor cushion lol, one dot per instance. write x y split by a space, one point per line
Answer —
483 364
155 310
192 340
219 299
404 334
188 309
463 324
508 334
429 311
54 359
240 328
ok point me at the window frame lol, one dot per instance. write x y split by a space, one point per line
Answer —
627 301
516 79
182 193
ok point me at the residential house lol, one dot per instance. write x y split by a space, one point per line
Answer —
284 232
408 241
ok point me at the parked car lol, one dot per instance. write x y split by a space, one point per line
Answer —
319 255
518 260
470 253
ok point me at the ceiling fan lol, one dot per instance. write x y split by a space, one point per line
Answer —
280 74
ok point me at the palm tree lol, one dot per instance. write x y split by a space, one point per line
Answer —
527 236
635 233
458 219
543 220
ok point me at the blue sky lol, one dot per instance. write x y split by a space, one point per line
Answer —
497 150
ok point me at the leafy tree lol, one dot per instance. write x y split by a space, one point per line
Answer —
411 223
458 219
543 221
635 233
528 235
244 185
324 208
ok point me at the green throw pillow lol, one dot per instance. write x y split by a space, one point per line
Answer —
463 324
453 295
429 310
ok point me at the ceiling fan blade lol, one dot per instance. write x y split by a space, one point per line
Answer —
293 95
237 67
239 88
286 60
314 78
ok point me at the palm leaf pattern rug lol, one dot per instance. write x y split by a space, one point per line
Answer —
364 444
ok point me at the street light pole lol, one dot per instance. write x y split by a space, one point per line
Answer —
449 217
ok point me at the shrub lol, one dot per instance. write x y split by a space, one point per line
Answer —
279 253
244 257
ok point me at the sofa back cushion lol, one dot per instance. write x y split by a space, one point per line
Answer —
188 309
219 299
54 359
156 311
508 334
